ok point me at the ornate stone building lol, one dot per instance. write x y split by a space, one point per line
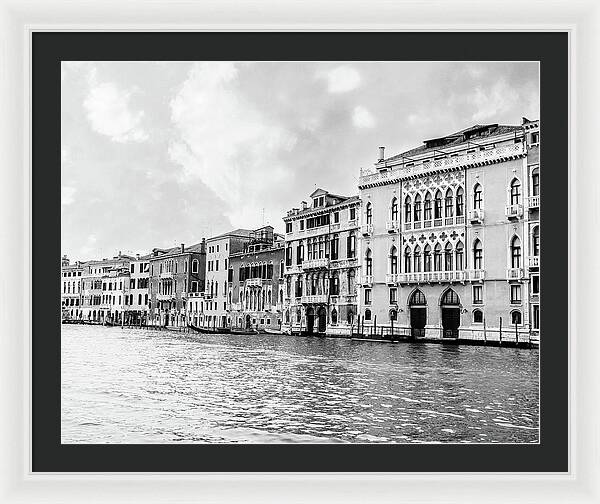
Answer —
71 298
450 235
321 264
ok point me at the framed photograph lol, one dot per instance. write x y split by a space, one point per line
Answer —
266 256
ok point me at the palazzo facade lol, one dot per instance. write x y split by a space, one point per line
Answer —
450 236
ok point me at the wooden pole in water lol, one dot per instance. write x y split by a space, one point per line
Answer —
516 334
484 332
500 331
392 335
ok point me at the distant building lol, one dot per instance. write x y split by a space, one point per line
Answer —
175 274
255 282
218 251
71 298
450 235
100 287
321 264
137 304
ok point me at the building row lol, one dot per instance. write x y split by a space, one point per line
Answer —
442 240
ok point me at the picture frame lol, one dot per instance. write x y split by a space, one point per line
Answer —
22 484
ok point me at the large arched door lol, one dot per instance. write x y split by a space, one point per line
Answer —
418 314
450 314
322 320
310 319
247 321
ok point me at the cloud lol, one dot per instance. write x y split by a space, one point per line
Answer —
342 79
108 110
230 144
67 195
489 103
362 118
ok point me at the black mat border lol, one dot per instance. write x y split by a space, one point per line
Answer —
49 48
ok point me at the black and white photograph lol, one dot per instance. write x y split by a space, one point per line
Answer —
277 252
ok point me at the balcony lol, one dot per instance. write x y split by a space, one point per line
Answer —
165 297
392 226
432 276
534 261
476 216
254 282
392 278
533 202
343 263
366 229
514 211
476 275
166 274
315 264
514 273
293 270
314 299
366 280
236 306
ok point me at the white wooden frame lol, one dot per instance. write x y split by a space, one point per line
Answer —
19 17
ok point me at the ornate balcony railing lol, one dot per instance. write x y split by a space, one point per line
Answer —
475 275
533 202
366 229
534 261
166 274
432 276
253 282
366 279
514 273
343 263
476 216
315 264
392 278
314 299
505 152
392 226
514 211
294 269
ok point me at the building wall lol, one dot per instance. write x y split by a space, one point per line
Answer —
71 299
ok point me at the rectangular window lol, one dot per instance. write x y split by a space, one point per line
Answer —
515 294
288 227
536 317
133 268
367 296
535 138
302 225
217 248
217 265
477 294
352 214
393 295
336 217
535 284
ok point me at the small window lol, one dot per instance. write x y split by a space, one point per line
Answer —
535 138
367 296
367 314
336 217
288 227
515 317
352 214
393 315
393 296
477 294
477 317
535 284
536 317
515 294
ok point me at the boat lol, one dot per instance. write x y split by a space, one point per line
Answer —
272 331
244 331
206 330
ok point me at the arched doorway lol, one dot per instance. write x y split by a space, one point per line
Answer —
322 320
247 321
418 314
450 314
310 319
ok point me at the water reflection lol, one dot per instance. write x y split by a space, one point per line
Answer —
135 386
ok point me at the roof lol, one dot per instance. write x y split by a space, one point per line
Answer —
456 139
198 247
343 200
235 232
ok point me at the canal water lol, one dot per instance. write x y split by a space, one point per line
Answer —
146 386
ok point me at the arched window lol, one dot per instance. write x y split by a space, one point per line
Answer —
268 297
280 296
477 255
460 205
515 192
393 315
351 287
407 210
515 252
369 262
216 288
394 209
407 260
437 211
367 314
448 257
437 257
515 317
417 259
417 209
334 316
477 197
450 298
393 260
417 299
139 299
350 317
535 242
535 182
459 257
449 203
477 317
195 266
146 299
427 207
427 258
369 213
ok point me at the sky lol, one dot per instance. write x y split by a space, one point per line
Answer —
155 154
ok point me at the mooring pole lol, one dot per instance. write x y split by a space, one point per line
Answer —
500 331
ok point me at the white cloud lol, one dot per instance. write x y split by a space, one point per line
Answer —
227 142
67 195
109 113
342 79
362 118
489 103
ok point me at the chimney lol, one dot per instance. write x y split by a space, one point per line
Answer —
137 256
182 248
381 154
304 205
